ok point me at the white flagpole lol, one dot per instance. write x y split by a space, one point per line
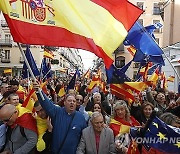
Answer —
29 68
46 74
28 78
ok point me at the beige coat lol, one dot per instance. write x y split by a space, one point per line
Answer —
87 143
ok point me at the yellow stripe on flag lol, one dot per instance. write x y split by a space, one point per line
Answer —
48 54
82 17
6 71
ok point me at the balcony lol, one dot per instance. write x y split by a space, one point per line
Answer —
3 60
4 23
6 42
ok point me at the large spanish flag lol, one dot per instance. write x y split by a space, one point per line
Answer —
98 26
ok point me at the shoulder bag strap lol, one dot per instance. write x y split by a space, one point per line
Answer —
66 133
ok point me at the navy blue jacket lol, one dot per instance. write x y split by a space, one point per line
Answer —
60 120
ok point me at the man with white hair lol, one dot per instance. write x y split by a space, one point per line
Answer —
96 139
97 99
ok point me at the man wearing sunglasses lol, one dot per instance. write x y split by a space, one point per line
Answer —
22 131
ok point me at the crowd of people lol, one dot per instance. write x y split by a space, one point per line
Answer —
79 122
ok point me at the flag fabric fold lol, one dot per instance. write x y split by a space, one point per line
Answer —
159 136
98 26
147 48
31 61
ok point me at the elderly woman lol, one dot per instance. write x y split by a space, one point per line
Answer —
122 115
122 118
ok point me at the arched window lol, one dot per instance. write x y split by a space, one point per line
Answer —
120 61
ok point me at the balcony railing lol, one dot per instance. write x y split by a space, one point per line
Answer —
5 42
3 60
4 23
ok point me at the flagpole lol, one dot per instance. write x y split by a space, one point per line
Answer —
46 75
172 65
29 68
28 78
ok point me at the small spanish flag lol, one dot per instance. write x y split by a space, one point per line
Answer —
61 92
171 78
48 54
8 71
132 50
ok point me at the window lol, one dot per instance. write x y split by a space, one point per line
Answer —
140 5
134 74
7 54
156 30
60 62
140 21
63 63
120 62
136 65
157 41
7 38
156 9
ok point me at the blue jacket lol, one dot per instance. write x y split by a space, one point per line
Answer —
60 120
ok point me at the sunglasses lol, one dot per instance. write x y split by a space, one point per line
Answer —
79 100
7 120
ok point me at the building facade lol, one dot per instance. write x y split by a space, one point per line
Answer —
150 16
170 10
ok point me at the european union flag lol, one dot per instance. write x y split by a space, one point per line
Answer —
146 46
152 69
160 136
71 84
32 64
150 29
116 76
46 69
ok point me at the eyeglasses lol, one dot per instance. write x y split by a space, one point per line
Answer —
79 100
7 120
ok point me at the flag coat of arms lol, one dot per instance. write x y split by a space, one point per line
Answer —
99 26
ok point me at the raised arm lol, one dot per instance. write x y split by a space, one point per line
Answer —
47 104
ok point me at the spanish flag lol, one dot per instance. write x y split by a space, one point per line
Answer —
8 71
99 26
171 78
132 50
48 54
61 92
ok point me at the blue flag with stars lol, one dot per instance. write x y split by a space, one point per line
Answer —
46 69
161 137
147 48
116 76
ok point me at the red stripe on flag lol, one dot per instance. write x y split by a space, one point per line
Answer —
59 37
122 91
117 94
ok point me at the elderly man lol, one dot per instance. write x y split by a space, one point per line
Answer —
22 131
97 99
97 139
66 121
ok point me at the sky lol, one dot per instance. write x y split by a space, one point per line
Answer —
87 58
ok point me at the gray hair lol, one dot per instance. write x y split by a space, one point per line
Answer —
96 93
121 103
95 114
169 118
